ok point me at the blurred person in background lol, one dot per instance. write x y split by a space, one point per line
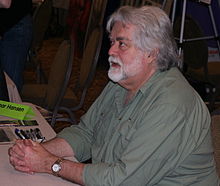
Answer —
77 21
16 37
5 3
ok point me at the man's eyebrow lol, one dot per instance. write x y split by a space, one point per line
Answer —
120 38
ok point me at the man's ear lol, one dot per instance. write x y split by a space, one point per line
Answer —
151 57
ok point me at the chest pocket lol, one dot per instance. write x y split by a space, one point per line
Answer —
97 132
125 132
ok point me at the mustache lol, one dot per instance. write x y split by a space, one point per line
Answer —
113 59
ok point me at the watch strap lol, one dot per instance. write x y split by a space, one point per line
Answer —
59 162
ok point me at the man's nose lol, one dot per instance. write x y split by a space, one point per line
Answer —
112 50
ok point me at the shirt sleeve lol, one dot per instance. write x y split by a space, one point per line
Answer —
81 136
161 140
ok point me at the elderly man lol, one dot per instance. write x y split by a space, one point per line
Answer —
148 127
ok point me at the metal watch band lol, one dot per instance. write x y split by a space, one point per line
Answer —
57 162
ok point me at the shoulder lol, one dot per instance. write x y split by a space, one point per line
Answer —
170 88
176 90
110 89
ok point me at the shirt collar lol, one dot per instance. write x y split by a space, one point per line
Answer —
150 82
120 93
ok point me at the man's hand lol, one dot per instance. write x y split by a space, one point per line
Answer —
5 3
28 156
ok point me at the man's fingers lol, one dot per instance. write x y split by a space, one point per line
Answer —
15 149
16 152
23 169
16 161
29 142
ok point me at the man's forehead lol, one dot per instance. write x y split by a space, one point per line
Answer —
122 31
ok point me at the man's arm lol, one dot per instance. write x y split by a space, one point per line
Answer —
5 3
70 170
59 147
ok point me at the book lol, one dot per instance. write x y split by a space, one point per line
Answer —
3 136
6 136
17 123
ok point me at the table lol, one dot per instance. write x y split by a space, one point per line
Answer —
10 177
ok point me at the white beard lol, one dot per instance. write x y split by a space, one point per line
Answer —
115 73
121 72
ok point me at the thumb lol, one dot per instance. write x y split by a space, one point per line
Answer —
29 142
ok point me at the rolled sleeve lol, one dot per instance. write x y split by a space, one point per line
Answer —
80 137
78 140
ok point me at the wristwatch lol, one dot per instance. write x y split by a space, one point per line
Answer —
56 167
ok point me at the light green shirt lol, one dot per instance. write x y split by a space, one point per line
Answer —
162 137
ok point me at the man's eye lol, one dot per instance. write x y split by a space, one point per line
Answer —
121 44
112 43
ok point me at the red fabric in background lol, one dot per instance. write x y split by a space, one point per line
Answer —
77 21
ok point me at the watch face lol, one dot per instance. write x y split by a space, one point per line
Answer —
56 167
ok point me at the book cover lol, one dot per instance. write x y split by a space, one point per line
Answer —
17 123
6 136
